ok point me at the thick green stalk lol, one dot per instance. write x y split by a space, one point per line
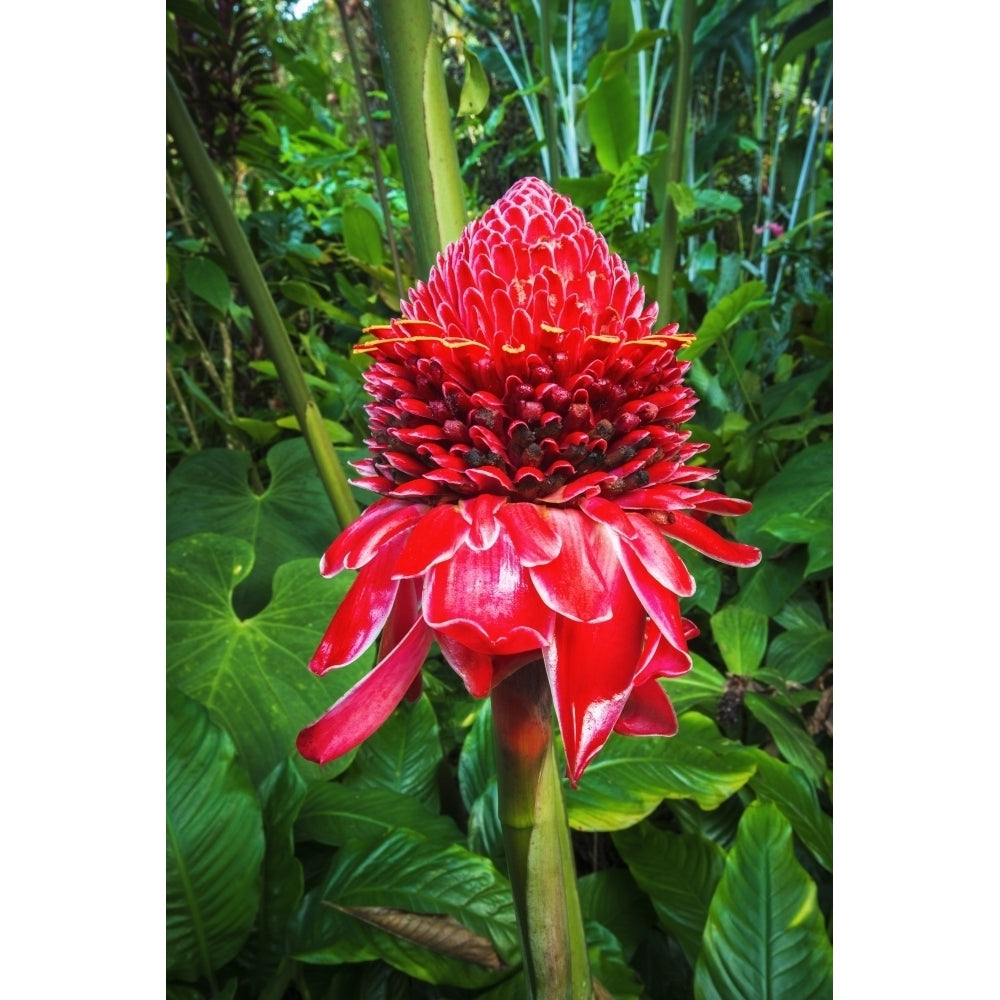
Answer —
551 120
272 328
675 156
421 123
536 839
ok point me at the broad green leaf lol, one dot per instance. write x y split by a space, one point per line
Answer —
717 825
613 978
252 674
701 687
334 814
337 432
816 532
209 282
725 315
631 775
304 294
789 789
790 399
802 42
768 587
683 198
403 755
611 119
800 655
408 873
644 38
282 795
765 938
485 831
741 634
612 898
804 486
291 519
679 873
789 734
477 762
362 236
475 87
215 843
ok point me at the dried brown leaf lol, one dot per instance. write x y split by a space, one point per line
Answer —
437 932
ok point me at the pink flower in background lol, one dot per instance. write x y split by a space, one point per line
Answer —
526 439
774 228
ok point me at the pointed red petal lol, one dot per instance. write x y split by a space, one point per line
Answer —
485 601
532 533
661 658
435 538
362 613
703 539
358 543
591 667
648 712
657 555
660 602
475 669
369 703
574 584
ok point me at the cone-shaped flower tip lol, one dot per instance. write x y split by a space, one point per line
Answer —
526 437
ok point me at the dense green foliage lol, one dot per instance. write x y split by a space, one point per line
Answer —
705 859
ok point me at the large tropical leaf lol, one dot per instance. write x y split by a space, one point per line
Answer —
631 776
215 843
402 755
290 519
252 674
385 899
679 872
765 937
334 814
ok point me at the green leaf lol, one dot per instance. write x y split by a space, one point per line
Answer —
337 432
477 765
282 795
700 688
679 873
768 587
408 873
612 898
485 831
801 654
764 938
403 754
215 844
725 315
790 790
475 87
253 674
683 198
609 967
789 734
741 634
611 119
291 519
804 486
209 282
362 236
631 776
334 814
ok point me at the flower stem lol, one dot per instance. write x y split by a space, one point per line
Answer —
234 242
536 839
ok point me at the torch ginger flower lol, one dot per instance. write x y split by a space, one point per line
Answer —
525 438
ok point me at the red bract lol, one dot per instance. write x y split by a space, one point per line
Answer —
525 435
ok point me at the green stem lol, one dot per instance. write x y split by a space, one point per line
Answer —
272 328
675 156
551 120
536 839
421 122
383 197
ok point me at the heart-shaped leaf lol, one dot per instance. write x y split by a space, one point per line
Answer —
290 519
252 675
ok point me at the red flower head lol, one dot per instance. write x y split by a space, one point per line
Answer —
525 436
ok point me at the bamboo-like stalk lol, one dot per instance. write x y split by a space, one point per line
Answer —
551 119
421 122
536 839
236 247
675 156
